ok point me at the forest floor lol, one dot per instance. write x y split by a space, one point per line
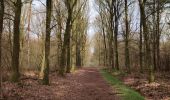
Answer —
159 90
84 84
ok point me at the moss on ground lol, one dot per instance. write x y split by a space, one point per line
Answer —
124 91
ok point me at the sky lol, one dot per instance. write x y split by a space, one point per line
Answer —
92 15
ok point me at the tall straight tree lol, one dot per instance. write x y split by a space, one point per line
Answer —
45 64
141 46
127 59
146 35
110 5
115 3
70 4
16 42
158 32
1 30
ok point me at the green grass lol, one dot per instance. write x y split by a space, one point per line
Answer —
125 92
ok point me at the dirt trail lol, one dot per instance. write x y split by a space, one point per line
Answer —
84 84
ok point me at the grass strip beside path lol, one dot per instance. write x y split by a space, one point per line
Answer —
125 92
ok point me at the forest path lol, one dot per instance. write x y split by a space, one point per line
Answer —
84 84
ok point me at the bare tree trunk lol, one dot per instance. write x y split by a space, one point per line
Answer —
116 12
16 42
59 37
45 66
105 46
68 69
141 46
29 20
104 37
127 59
158 35
64 47
1 31
147 42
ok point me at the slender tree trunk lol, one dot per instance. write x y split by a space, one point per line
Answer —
153 37
29 21
46 62
99 51
16 42
127 59
59 38
105 46
78 56
147 42
158 35
68 67
112 53
104 37
141 46
1 31
116 34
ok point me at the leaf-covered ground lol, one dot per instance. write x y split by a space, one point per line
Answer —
84 84
159 90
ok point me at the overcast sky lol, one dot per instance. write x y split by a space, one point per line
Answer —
92 14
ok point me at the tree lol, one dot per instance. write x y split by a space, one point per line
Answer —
16 42
127 59
70 4
141 46
1 31
146 40
46 61
115 5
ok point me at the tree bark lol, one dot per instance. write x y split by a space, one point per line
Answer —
141 46
147 42
127 59
16 42
46 62
66 43
1 31
158 35
116 20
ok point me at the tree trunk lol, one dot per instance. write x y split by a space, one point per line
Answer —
127 59
141 46
65 44
158 35
1 31
116 34
16 42
147 42
46 62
